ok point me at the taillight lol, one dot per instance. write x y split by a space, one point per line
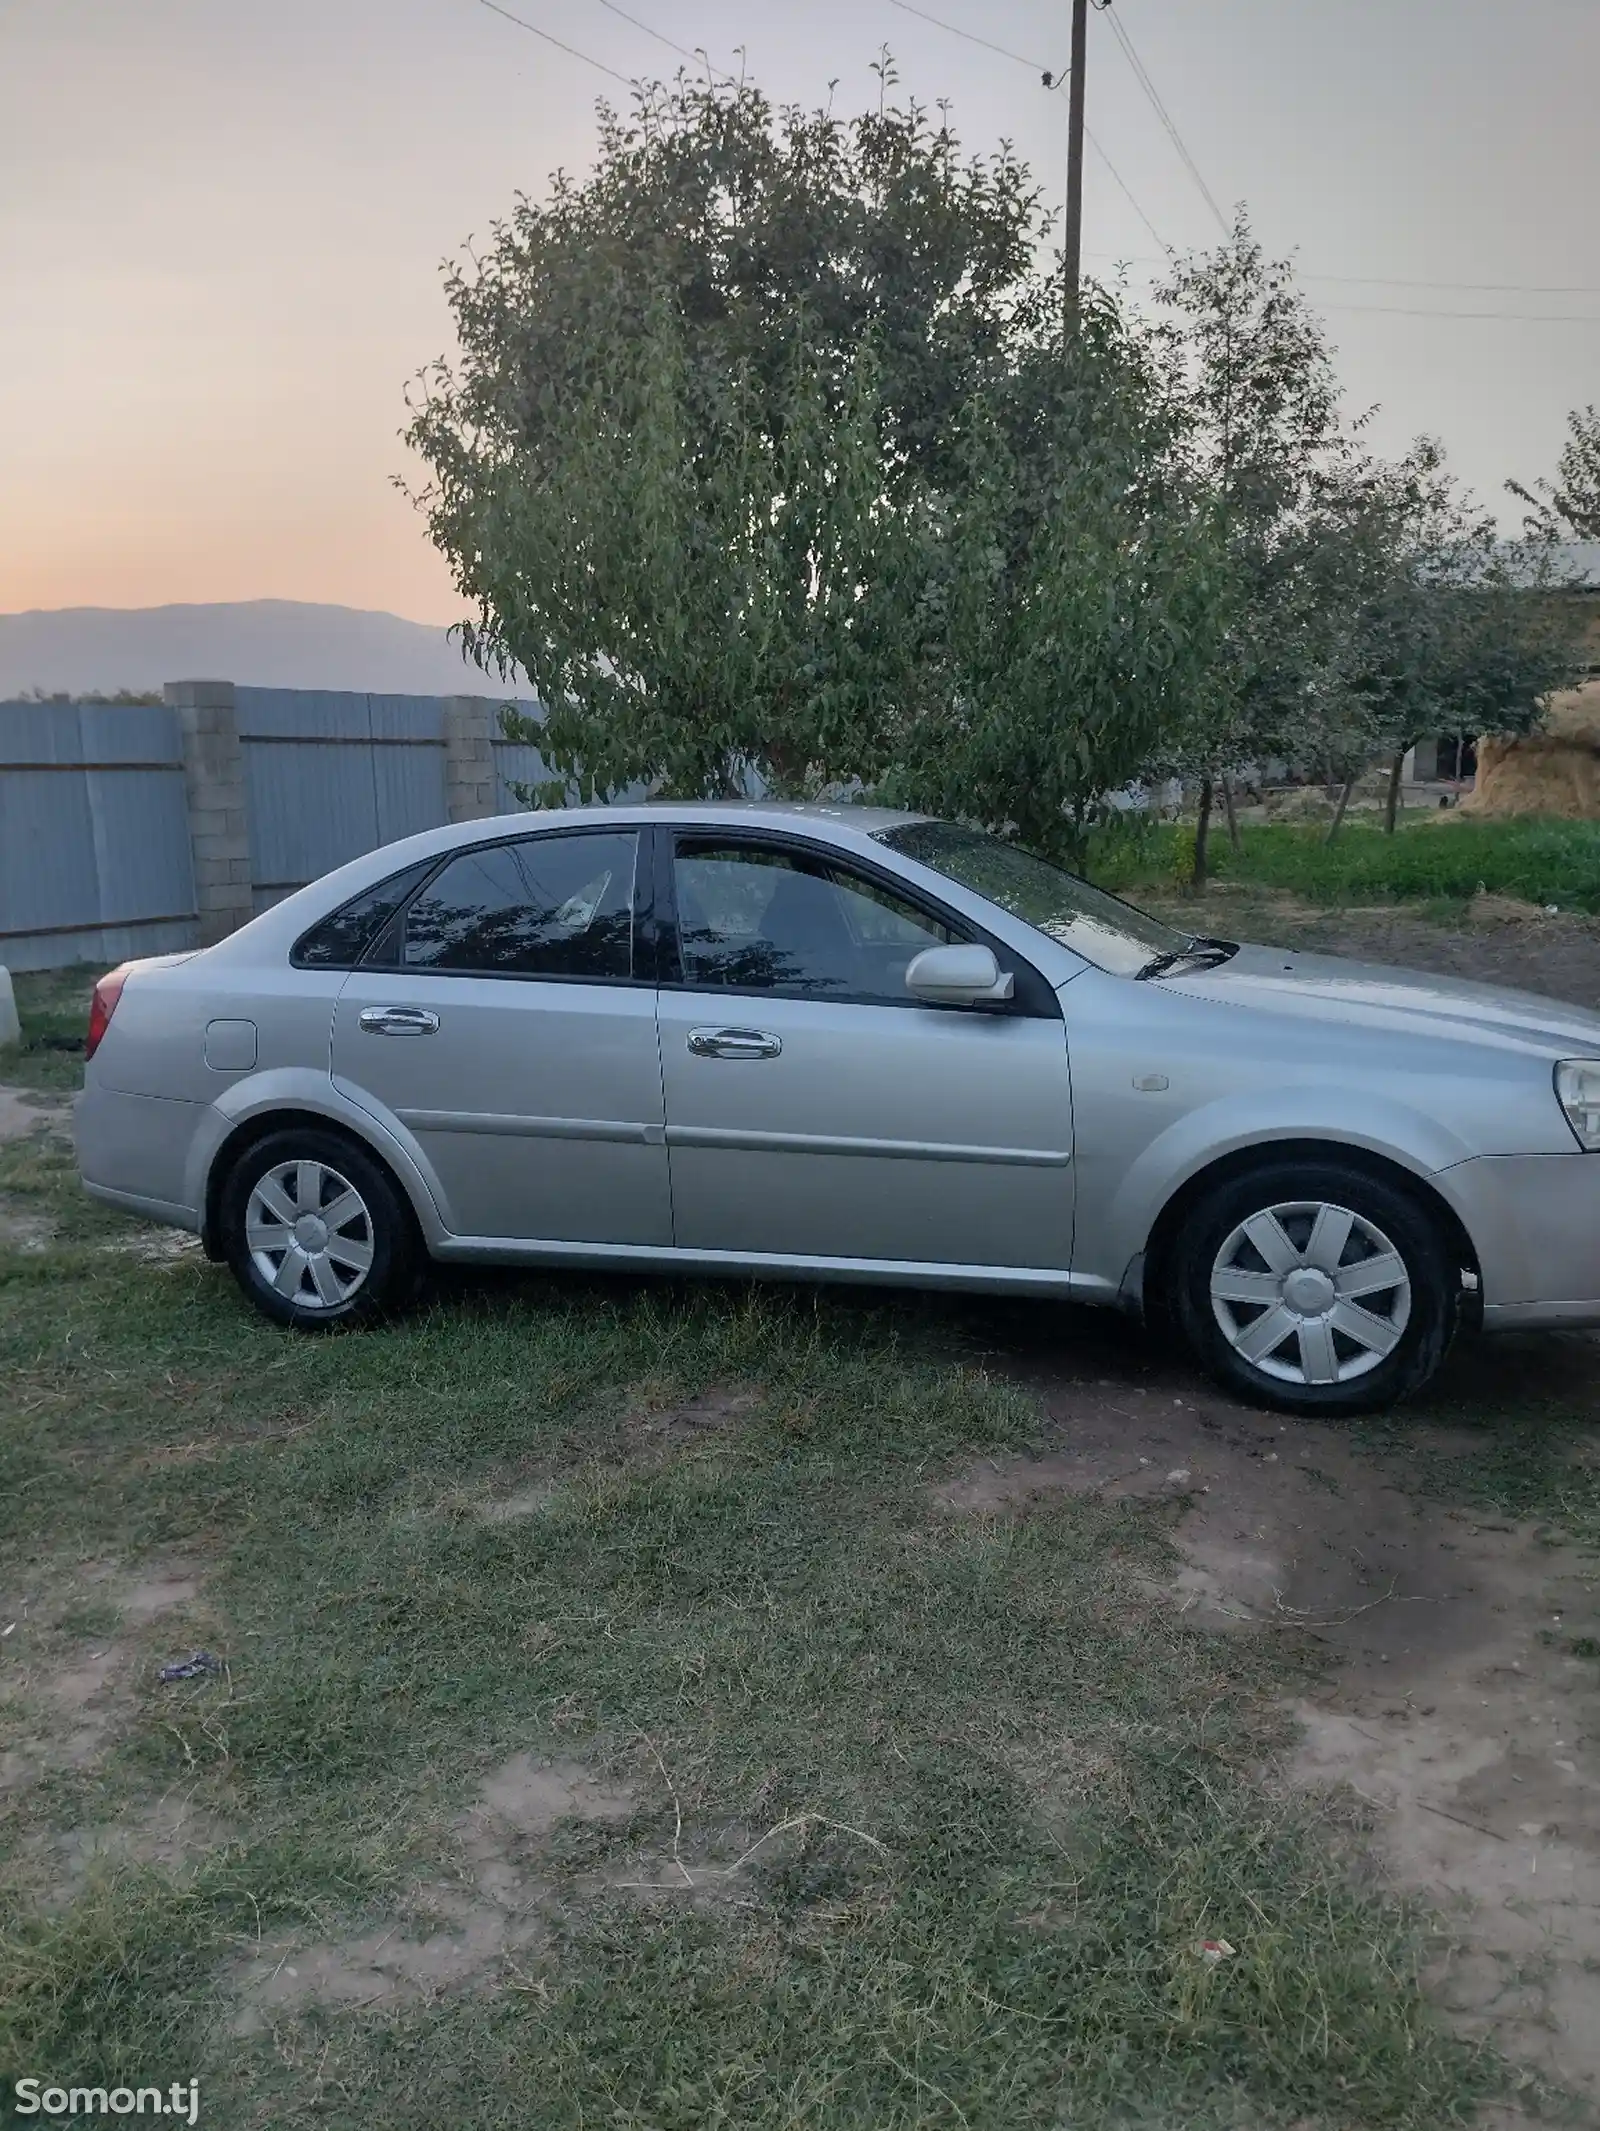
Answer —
103 1005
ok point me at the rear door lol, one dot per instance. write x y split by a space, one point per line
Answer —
814 1109
506 1021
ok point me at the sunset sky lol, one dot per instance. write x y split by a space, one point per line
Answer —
222 221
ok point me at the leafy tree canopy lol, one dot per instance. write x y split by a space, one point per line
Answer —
1571 503
749 423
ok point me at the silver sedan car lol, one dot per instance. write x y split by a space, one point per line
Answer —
847 1044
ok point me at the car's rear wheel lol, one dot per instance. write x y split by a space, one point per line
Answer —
1316 1287
316 1231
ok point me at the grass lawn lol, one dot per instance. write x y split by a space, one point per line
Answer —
1432 858
864 1813
54 1010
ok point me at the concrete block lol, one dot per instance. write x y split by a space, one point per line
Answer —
215 847
470 724
199 695
10 1022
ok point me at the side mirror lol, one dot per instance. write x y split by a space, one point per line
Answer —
958 976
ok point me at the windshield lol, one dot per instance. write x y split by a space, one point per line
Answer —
1111 934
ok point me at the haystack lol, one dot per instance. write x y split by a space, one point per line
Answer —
1554 772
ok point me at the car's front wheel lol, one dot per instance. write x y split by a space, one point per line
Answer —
1316 1287
316 1231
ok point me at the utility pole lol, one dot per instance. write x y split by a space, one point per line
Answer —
1072 261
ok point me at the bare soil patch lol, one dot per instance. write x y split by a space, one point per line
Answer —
451 1933
173 1834
714 1412
1460 1700
513 1508
22 1115
69 1695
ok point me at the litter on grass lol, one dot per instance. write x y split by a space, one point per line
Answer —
196 1667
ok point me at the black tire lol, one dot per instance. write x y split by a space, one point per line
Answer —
384 1229
1398 1216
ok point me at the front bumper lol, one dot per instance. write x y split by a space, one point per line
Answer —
1534 1222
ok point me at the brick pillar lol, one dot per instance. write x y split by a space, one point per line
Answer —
470 724
219 828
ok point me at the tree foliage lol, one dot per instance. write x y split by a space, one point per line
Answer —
765 455
1082 589
1571 503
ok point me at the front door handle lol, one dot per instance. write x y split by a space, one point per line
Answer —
734 1043
398 1021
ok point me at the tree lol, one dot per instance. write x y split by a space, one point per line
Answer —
766 456
703 585
1371 601
1249 369
1081 588
1571 503
706 401
1442 627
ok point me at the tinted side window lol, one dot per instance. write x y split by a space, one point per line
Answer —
339 941
755 919
551 906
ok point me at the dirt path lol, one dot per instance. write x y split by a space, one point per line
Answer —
22 1113
1459 1700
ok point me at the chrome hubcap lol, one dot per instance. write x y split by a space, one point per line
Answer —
310 1234
1310 1293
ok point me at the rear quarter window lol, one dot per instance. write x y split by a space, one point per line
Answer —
341 939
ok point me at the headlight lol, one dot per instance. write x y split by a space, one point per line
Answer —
1578 1092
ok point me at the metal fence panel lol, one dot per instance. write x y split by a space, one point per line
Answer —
95 860
329 775
407 764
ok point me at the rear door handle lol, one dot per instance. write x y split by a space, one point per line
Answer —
734 1043
398 1021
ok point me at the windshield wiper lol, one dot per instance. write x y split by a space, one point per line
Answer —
1201 953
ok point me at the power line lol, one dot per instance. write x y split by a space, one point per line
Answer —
1052 80
1476 288
571 50
1127 195
1048 75
1142 77
671 44
1390 281
1405 310
1529 318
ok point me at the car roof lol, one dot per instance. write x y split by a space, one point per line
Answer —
746 813
838 819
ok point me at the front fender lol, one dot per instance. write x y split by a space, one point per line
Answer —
299 1088
1396 1131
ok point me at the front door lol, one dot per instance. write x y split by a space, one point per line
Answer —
507 1031
815 1110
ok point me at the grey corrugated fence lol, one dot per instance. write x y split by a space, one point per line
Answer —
140 829
95 860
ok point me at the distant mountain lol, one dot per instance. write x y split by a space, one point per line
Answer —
263 643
